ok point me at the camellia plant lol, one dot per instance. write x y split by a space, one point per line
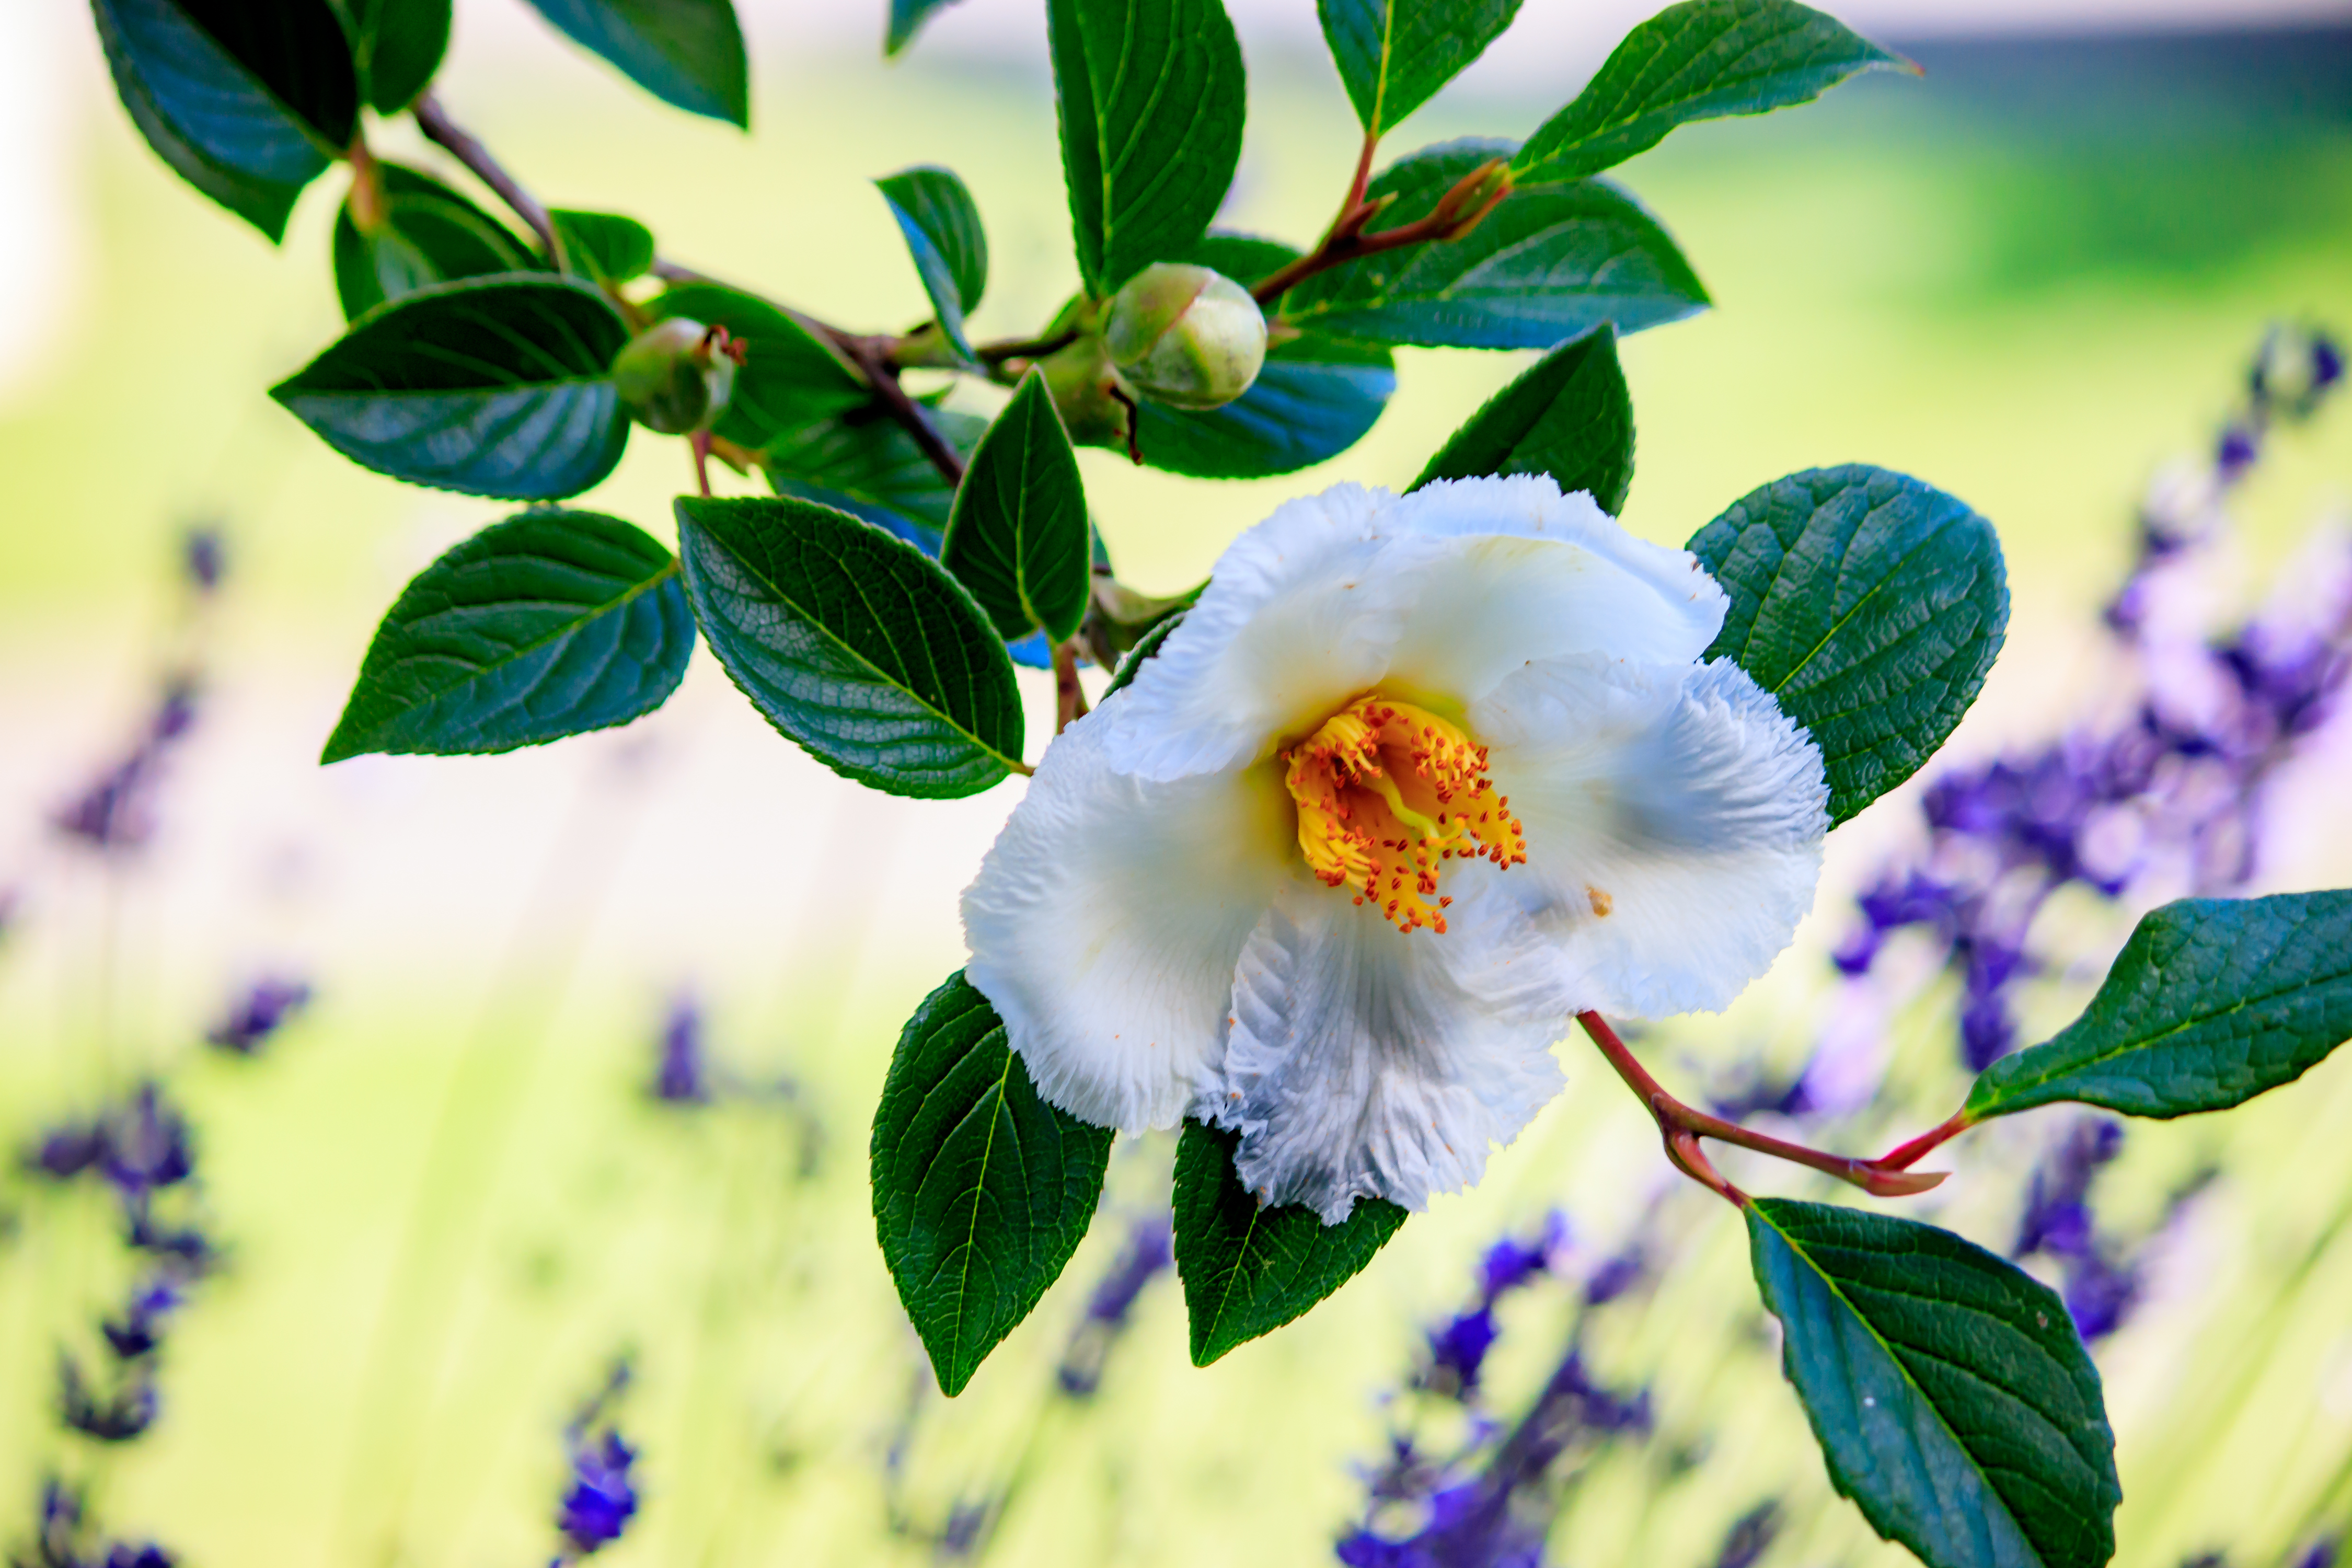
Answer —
1362 824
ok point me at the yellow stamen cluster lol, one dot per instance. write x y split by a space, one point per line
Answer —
1386 793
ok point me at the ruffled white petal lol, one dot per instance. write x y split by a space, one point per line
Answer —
1673 820
1107 921
1435 596
1365 1062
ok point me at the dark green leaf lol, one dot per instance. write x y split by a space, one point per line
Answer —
688 52
428 234
854 643
1017 537
906 17
494 386
1145 647
1698 60
868 466
247 103
1569 415
2210 1002
546 625
941 224
1552 261
1316 397
1392 54
1248 1269
1152 98
604 247
790 379
397 45
1870 605
1952 1399
982 1190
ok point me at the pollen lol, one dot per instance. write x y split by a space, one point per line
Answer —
1387 793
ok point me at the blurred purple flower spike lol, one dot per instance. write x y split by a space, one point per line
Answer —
254 1017
682 1069
1149 1253
115 813
203 558
600 1494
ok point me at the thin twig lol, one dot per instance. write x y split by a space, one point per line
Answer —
871 355
1069 697
1683 1126
1903 1156
434 121
1023 348
1461 209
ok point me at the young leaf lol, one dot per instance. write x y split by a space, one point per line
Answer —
396 45
1870 605
853 643
1315 397
687 53
941 224
982 1190
2210 1002
1151 98
906 17
1951 1397
1552 261
1248 1269
426 233
1392 54
603 247
548 624
1145 648
1567 414
867 465
1017 537
1698 60
791 379
493 387
247 103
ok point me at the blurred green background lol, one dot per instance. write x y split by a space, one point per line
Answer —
2030 276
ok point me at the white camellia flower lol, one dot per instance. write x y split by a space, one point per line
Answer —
1416 781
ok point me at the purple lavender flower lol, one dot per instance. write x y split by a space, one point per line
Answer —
138 1554
252 1018
139 1331
114 813
147 1144
203 558
1146 1255
600 1495
121 1415
62 1538
66 1150
2100 1287
1750 1536
2321 1553
1457 1350
682 1071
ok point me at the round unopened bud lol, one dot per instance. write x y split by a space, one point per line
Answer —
676 375
1186 336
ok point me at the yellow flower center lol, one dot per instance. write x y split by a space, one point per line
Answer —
1387 793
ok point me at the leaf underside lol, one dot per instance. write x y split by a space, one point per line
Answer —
605 247
429 233
1568 416
1953 1401
940 223
687 53
865 464
1870 605
2211 1002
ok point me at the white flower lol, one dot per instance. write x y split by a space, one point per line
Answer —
1416 781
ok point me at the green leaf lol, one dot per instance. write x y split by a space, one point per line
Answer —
1017 537
547 625
867 465
492 386
791 378
906 17
1315 397
603 247
1152 98
2211 1002
397 45
1870 605
1950 1395
247 103
1248 1269
982 1190
687 53
1698 60
1567 414
1145 648
1550 262
853 643
428 234
1392 54
941 224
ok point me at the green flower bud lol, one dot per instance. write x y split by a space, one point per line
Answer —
1186 336
676 375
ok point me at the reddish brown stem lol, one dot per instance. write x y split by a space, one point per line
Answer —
700 442
1683 1126
1458 212
434 121
1069 697
1903 1156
